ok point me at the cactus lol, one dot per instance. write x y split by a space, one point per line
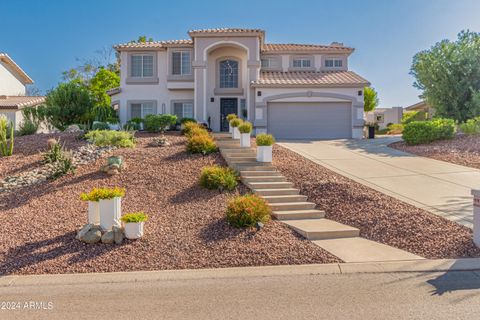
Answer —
6 149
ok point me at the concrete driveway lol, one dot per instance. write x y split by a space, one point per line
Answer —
439 187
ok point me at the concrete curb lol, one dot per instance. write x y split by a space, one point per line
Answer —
441 265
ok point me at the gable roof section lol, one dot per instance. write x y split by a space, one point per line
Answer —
223 31
19 102
154 44
310 79
19 73
304 48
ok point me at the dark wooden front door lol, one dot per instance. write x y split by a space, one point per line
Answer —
227 106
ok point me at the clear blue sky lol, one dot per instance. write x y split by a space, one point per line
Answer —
46 37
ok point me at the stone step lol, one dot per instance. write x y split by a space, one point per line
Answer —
285 198
253 166
259 173
298 214
358 249
228 145
269 185
276 192
300 205
240 155
241 159
263 179
237 150
319 229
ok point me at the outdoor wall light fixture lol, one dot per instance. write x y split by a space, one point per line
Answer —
259 93
212 99
360 92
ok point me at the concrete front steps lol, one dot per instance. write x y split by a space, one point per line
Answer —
293 209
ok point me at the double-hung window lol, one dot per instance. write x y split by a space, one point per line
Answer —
270 63
183 110
302 63
181 64
141 66
333 63
141 110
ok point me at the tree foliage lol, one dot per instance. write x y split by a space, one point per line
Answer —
449 76
370 99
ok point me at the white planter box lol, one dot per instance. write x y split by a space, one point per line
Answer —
134 230
230 128
93 212
110 213
236 133
264 153
245 140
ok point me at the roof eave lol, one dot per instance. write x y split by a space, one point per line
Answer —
333 85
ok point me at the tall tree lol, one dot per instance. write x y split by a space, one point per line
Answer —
449 76
370 99
102 81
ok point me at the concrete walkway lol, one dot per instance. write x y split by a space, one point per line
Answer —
439 187
337 291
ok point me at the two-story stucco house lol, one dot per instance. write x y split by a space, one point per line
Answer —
13 81
293 91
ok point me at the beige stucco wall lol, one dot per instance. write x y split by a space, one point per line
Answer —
9 84
390 115
14 116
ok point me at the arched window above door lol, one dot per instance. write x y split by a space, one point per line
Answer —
228 77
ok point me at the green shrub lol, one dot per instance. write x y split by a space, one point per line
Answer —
159 122
100 126
247 210
97 194
395 128
186 120
133 124
220 178
231 116
235 122
27 127
101 138
62 166
421 132
201 144
471 126
245 127
134 217
410 116
264 139
54 154
6 133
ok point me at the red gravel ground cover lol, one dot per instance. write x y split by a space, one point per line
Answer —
26 151
187 226
378 216
463 150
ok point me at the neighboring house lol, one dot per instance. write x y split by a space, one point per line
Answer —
422 106
13 81
385 116
293 91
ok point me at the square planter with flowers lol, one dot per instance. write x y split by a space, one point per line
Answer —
109 206
264 147
230 117
134 224
235 132
245 131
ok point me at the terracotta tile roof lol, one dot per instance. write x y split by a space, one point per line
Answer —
19 102
226 30
314 79
154 44
304 48
4 58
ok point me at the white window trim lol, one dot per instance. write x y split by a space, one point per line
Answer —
141 80
142 66
182 52
183 102
141 102
302 67
276 60
334 60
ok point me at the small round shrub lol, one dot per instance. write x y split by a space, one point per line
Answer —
100 126
247 210
189 126
134 217
198 132
421 132
395 128
221 178
235 122
159 122
471 126
231 116
245 127
186 120
201 144
264 139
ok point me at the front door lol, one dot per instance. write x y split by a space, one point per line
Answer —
227 106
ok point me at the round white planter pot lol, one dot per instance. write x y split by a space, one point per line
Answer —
245 140
236 133
110 213
134 230
264 153
93 212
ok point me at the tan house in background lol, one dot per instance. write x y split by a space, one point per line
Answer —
422 106
13 82
385 116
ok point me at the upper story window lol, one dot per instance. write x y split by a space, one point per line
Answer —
270 63
228 74
302 63
142 66
333 63
181 64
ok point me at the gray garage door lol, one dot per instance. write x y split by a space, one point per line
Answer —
307 120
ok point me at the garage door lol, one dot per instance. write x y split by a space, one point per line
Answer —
307 120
